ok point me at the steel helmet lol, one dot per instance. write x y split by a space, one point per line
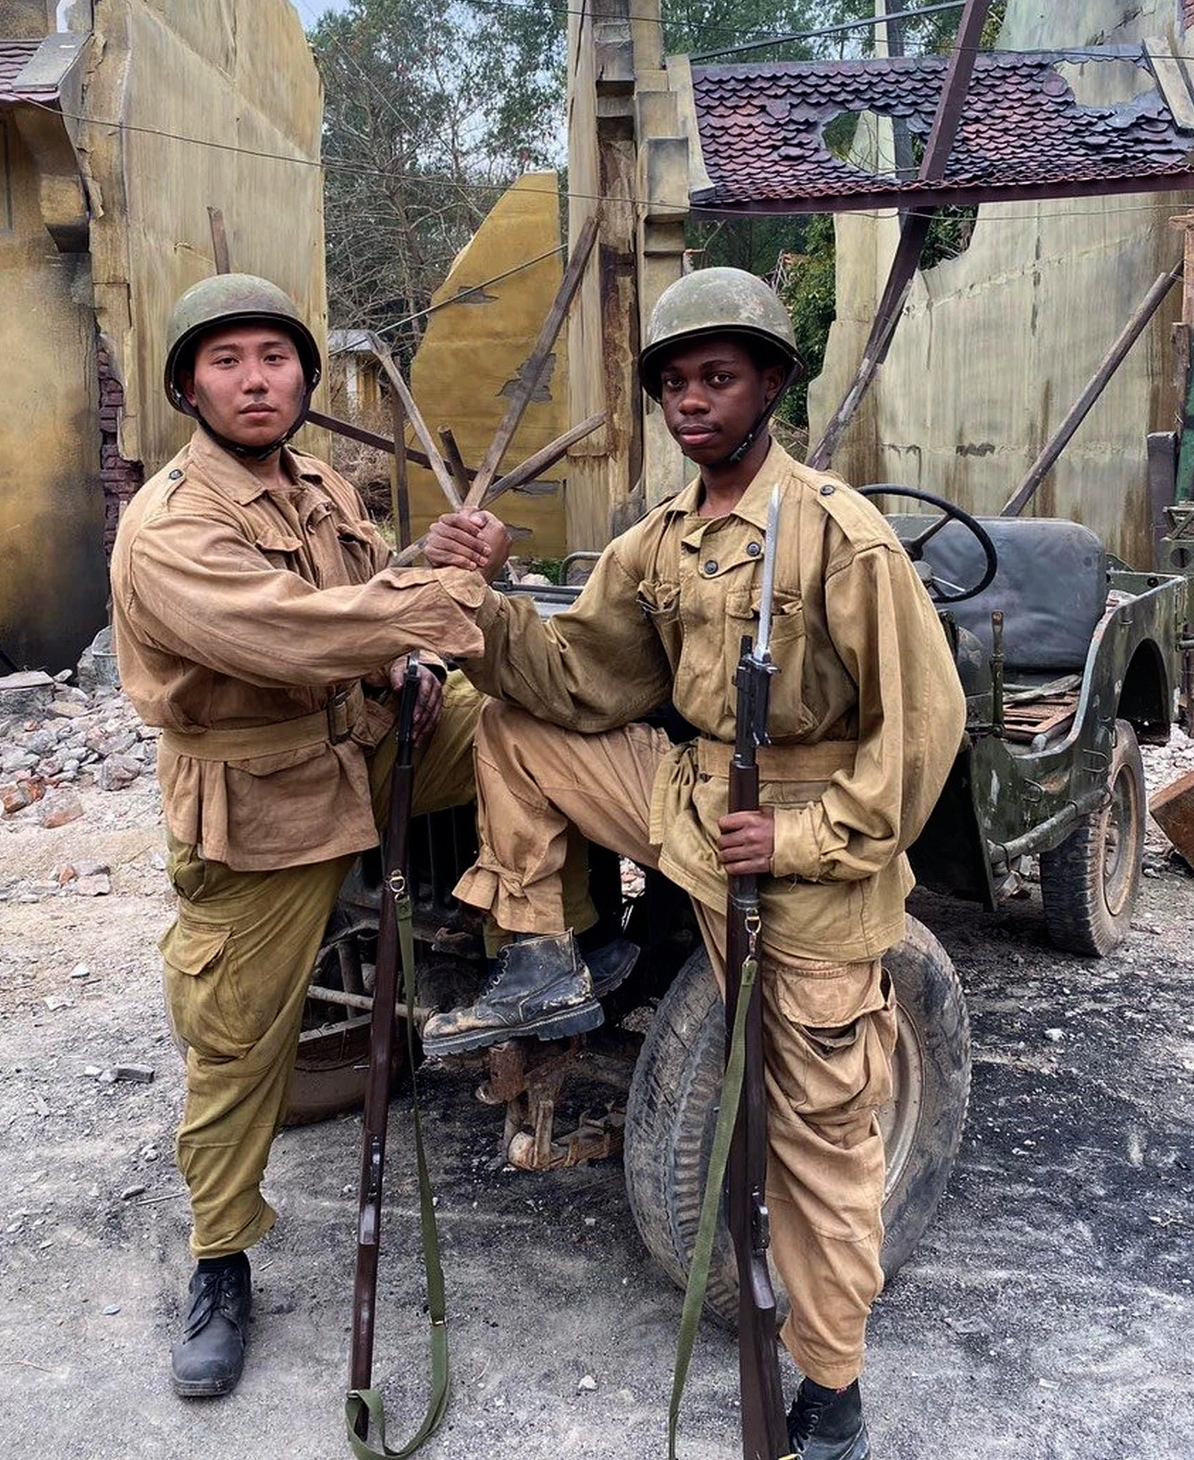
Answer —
716 301
229 299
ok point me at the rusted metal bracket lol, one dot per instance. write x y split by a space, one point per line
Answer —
527 1077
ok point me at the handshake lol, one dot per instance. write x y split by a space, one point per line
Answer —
472 538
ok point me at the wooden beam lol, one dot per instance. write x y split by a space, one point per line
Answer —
219 240
543 458
913 232
1078 411
436 462
536 364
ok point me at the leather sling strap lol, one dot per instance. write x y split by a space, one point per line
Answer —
719 1155
360 1401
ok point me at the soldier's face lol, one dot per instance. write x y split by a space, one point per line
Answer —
247 383
712 393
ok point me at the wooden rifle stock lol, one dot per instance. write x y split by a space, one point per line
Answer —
381 1043
764 1425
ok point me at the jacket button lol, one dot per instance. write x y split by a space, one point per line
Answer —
827 489
753 549
711 566
175 475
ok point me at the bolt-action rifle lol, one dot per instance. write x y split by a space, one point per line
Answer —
393 934
764 1427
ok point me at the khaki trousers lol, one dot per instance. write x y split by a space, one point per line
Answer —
237 962
829 1028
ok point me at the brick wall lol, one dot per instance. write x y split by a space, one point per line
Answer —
1187 13
121 478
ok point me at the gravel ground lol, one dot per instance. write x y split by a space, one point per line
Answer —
1045 1314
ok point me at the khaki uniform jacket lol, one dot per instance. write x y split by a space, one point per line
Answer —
866 714
239 610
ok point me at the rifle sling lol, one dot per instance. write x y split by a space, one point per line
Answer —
719 1155
362 1401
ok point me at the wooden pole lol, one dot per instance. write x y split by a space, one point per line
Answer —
219 240
536 364
436 462
543 458
399 484
1078 411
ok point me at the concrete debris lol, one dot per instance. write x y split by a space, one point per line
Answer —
142 1074
69 738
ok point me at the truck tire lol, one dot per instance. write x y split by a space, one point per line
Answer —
1090 882
677 1083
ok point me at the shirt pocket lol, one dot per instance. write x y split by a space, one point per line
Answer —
357 548
787 646
659 599
280 548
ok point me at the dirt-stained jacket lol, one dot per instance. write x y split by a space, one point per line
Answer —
238 613
866 711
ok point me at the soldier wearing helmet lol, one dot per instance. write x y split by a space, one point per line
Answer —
866 714
259 625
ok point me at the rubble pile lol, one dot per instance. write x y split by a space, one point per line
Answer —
57 738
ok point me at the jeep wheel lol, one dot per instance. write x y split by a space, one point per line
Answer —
1090 882
677 1083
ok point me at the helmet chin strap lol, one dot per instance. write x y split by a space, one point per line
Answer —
257 453
739 452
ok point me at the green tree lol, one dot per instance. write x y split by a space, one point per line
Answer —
429 114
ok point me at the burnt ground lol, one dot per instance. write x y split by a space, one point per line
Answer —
1046 1314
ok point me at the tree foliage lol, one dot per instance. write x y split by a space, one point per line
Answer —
429 114
432 111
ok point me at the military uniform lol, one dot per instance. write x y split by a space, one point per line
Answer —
866 716
255 626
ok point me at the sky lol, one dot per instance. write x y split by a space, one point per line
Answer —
310 10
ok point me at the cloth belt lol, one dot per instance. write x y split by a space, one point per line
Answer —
334 723
791 762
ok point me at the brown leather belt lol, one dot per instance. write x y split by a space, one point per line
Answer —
333 724
791 762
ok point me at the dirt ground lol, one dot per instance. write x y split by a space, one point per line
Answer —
1046 1315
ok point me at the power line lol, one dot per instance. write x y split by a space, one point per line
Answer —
499 188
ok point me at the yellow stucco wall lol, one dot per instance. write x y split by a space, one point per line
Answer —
52 571
471 354
996 345
223 106
172 107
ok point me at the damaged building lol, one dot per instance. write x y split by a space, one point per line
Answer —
136 137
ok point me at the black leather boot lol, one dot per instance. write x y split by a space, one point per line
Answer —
611 965
827 1424
209 1357
539 986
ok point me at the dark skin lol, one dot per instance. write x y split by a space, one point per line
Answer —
713 390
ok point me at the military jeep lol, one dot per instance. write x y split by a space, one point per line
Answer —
1068 661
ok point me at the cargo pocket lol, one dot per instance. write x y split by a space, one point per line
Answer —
199 974
832 1036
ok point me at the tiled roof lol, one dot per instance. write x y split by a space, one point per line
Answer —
14 56
1022 133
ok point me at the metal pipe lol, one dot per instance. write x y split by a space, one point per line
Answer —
363 1001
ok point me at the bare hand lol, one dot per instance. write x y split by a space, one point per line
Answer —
746 842
428 705
474 539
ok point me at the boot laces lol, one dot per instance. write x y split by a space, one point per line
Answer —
806 1420
217 1294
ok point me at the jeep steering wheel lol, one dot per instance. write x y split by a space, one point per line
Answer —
938 589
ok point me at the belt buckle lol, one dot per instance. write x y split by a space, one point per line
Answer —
339 724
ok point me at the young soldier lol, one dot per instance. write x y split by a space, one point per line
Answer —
866 715
258 624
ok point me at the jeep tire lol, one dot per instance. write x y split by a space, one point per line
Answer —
677 1082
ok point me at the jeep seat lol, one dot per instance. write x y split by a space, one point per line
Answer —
1051 584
